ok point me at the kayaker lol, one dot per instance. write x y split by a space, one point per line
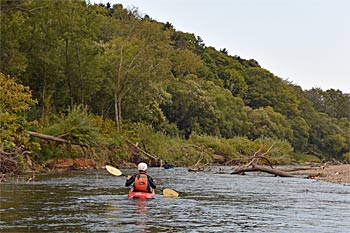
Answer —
167 165
141 182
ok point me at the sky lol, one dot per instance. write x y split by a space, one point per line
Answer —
306 42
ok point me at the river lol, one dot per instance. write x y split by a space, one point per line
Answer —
95 201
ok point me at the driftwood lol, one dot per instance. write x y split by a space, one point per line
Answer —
47 137
253 166
234 161
258 168
196 167
154 159
52 138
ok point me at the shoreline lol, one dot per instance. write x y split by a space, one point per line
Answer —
330 173
339 173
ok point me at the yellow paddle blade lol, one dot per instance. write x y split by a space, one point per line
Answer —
170 193
113 170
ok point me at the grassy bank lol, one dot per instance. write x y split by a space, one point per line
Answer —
138 142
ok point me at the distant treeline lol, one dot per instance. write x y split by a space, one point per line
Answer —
126 67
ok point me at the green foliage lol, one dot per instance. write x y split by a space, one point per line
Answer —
173 149
127 67
213 144
136 53
13 33
76 126
242 145
51 151
332 102
278 151
184 40
15 99
327 138
201 106
344 126
185 62
265 89
301 133
346 157
234 82
305 158
265 122
334 143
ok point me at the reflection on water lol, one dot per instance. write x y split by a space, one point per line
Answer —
141 206
94 201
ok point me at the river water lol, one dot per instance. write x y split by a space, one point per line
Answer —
95 201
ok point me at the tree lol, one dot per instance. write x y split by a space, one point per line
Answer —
333 102
265 89
185 62
234 82
301 133
135 56
13 33
184 40
203 107
56 40
265 122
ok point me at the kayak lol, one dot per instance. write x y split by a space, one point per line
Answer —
143 195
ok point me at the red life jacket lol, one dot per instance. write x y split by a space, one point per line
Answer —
141 183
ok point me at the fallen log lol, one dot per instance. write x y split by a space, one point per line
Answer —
153 158
47 137
258 168
253 166
51 138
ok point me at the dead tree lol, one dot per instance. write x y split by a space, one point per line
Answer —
198 166
137 153
253 166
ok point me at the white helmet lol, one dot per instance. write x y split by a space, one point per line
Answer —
142 167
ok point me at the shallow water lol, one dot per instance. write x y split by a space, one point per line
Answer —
95 201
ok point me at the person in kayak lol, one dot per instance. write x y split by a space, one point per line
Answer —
141 182
167 165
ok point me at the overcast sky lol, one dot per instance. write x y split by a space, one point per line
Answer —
306 42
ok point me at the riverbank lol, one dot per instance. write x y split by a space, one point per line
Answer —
331 173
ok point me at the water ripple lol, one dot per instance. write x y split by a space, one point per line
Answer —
94 201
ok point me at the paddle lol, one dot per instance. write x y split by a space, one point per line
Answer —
170 193
166 192
114 171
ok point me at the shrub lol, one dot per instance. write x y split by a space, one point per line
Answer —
15 99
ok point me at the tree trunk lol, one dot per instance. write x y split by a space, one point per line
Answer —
47 137
80 73
258 168
118 109
252 166
51 138
68 73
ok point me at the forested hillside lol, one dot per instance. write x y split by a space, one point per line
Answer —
101 75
